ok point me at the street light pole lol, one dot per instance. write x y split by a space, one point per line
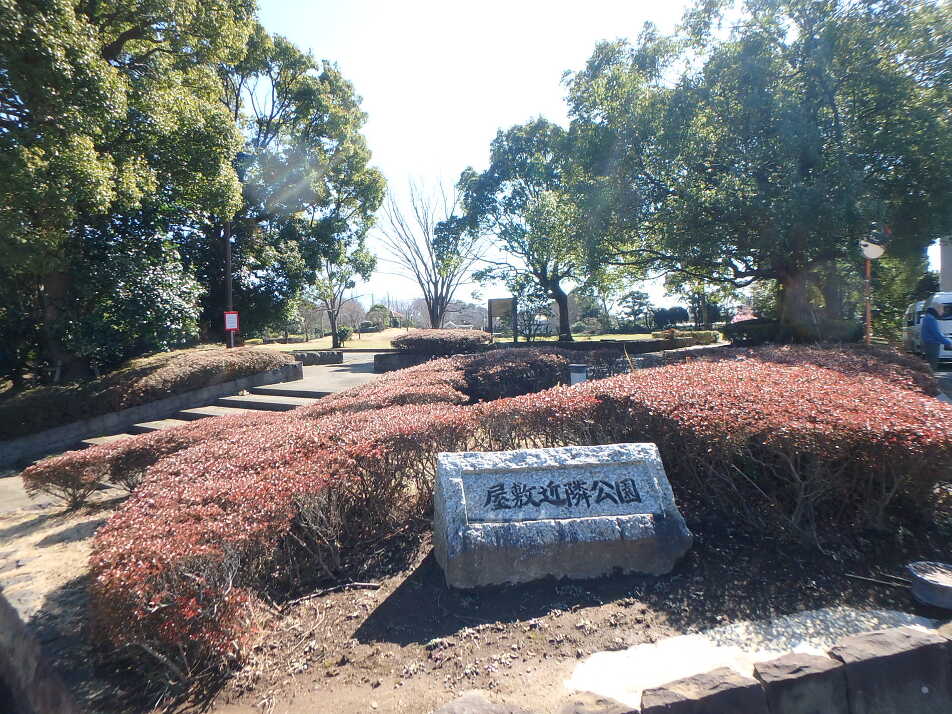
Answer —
872 249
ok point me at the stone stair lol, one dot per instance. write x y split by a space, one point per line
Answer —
283 396
260 399
289 389
264 402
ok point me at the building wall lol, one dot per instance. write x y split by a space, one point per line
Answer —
945 265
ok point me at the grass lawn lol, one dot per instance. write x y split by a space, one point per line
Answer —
368 340
381 341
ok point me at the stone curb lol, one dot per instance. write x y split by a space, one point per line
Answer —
392 361
36 687
896 671
62 438
902 670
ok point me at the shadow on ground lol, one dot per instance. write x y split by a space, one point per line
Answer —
728 576
27 527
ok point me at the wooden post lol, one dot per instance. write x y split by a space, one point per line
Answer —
869 301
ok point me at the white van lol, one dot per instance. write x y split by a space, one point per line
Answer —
942 304
911 341
910 327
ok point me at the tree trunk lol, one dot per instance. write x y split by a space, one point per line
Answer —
335 338
562 301
65 365
794 307
436 309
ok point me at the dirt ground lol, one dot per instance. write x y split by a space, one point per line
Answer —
401 641
412 644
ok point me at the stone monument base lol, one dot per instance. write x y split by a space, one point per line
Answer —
513 517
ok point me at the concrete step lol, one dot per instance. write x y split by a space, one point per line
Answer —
97 440
158 425
209 411
264 402
298 388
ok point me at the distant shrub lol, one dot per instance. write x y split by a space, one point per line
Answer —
443 343
227 509
344 333
829 331
762 330
705 337
752 332
139 381
588 326
697 337
509 373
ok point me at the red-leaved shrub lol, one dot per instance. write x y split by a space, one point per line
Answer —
229 509
854 360
509 373
138 381
442 343
439 381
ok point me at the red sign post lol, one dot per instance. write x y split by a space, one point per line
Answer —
231 326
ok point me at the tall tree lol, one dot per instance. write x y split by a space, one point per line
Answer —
336 277
767 155
431 245
107 108
306 179
637 307
521 199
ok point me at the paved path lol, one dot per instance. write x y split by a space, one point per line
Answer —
357 369
319 381
945 385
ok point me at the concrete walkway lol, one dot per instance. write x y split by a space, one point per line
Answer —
319 381
624 674
945 385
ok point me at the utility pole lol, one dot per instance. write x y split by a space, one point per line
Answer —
228 294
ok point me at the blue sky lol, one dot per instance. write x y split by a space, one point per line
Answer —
439 78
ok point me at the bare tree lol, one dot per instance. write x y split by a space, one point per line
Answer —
352 312
431 245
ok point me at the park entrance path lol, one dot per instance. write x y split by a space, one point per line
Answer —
945 385
319 381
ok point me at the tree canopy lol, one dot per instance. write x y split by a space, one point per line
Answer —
133 137
767 154
522 201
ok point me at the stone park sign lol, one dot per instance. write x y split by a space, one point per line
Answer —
575 511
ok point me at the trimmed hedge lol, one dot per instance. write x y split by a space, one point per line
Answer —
443 343
510 373
900 369
139 381
229 509
698 337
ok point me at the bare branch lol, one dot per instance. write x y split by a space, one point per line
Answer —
439 264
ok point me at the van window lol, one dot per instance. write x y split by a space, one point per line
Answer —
945 311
